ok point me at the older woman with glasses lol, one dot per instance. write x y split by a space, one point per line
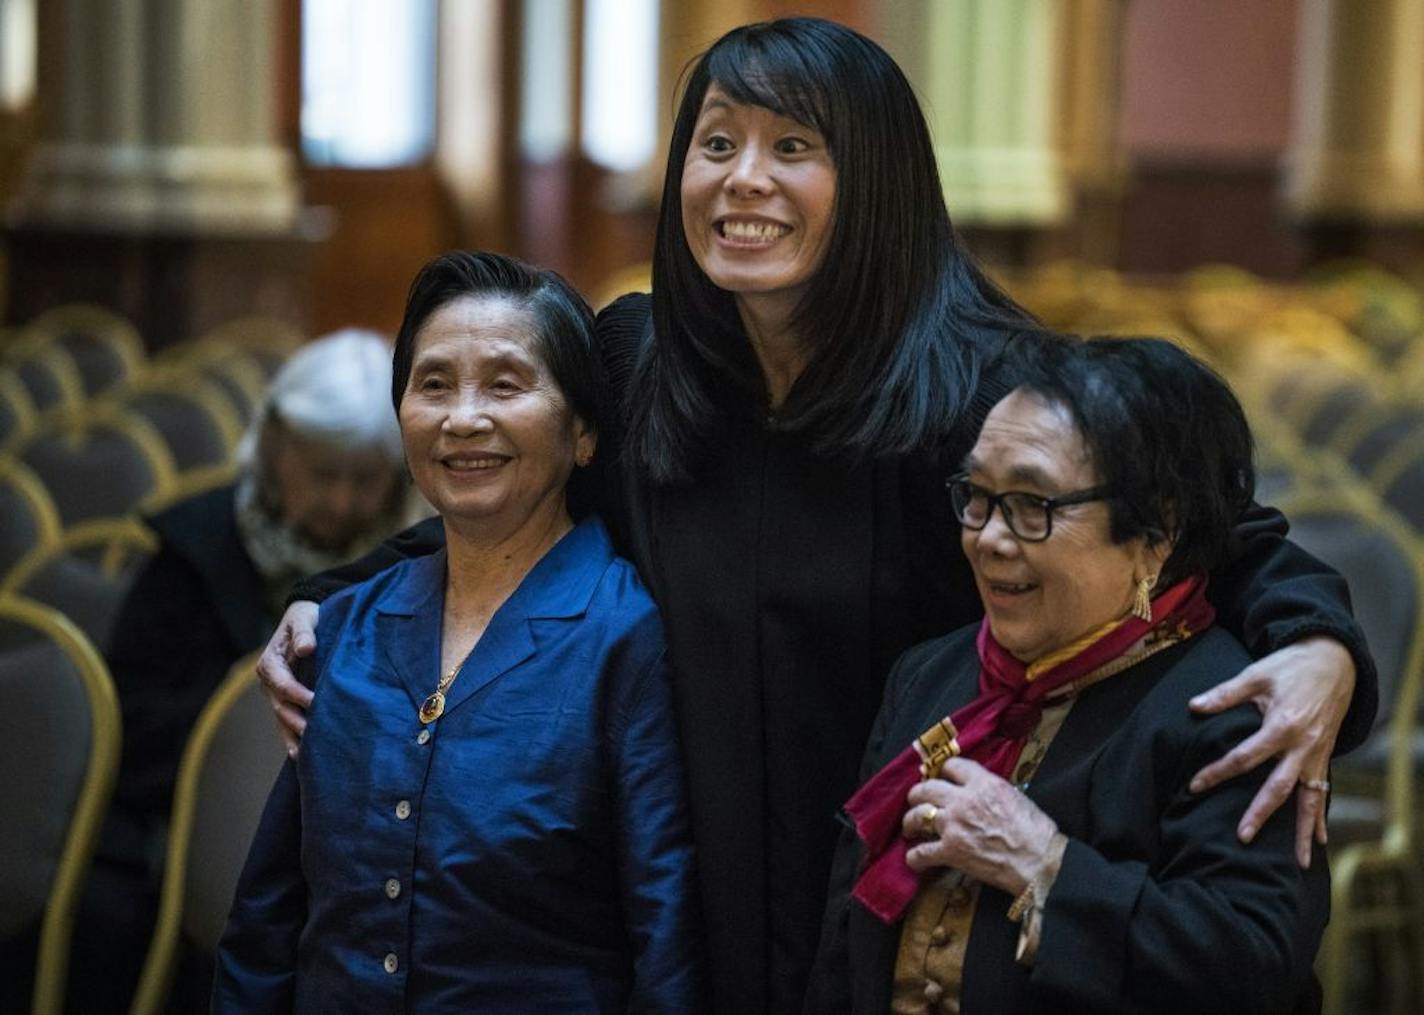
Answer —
1027 838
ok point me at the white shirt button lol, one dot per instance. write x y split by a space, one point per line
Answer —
392 888
403 809
391 964
423 737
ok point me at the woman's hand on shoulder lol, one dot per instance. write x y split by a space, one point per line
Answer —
977 823
295 638
1303 692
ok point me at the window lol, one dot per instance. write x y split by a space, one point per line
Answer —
17 54
368 82
620 82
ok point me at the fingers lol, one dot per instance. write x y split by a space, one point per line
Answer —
1309 815
1276 790
291 723
1248 685
300 619
1255 749
921 822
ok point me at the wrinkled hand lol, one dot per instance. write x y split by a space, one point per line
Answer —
983 826
1303 692
295 638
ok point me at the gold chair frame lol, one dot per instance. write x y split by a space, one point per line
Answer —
109 328
1394 853
27 417
157 977
47 521
52 962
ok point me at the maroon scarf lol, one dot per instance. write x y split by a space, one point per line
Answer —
992 729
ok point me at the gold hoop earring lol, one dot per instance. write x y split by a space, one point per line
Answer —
1142 601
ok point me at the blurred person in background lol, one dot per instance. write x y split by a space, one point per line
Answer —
321 480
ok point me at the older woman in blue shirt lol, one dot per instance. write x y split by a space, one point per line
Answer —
488 811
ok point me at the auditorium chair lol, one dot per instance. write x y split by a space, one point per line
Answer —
1324 416
104 347
29 522
229 764
86 573
48 375
196 420
1404 489
267 340
59 750
1377 876
103 464
1368 441
18 418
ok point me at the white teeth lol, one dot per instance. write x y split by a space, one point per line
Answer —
754 230
462 465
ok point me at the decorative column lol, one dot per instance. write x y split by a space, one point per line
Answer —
1088 108
157 185
1358 150
990 77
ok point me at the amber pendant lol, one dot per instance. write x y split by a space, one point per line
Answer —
433 707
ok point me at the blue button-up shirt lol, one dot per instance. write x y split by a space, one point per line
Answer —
527 851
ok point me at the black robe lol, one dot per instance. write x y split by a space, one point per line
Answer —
789 582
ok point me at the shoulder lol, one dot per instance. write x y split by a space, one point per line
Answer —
1185 670
620 331
192 523
622 604
1175 676
926 672
354 601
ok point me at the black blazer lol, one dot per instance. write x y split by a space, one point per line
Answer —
1158 907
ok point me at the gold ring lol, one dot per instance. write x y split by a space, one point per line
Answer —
927 820
1323 785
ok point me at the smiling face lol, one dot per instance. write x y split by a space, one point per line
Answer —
758 195
1042 596
489 438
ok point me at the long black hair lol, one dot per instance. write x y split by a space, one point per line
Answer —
898 316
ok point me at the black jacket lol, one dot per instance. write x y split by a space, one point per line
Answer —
195 609
1158 907
789 582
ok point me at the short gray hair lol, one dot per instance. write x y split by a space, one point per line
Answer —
334 389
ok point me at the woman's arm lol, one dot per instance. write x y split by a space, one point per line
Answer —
1314 680
654 845
257 957
295 637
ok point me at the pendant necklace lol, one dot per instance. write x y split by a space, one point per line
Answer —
433 707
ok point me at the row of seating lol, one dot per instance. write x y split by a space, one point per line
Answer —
60 720
1331 373
93 432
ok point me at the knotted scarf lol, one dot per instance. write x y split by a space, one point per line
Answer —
993 727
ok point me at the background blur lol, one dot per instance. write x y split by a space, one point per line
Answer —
187 161
190 189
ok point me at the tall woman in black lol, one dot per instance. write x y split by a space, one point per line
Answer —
817 356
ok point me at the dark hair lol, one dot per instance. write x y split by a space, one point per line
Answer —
1165 434
563 326
898 311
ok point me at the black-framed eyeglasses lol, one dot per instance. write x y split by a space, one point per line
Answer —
1029 516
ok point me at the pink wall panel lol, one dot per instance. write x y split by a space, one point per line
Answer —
1208 80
